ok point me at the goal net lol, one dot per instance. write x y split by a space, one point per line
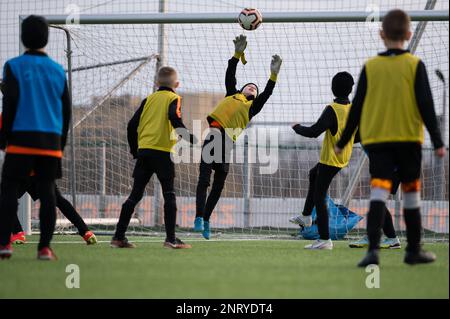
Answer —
113 68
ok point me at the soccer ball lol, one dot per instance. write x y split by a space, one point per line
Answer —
250 19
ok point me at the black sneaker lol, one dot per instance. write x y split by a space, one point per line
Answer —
371 258
121 243
420 257
176 244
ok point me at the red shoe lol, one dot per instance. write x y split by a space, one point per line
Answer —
46 253
90 238
6 251
18 238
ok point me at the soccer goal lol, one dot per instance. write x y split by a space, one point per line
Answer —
111 61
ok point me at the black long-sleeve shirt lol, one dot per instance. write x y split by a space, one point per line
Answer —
230 85
174 118
326 121
423 97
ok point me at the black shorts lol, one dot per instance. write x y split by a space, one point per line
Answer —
401 159
226 145
151 162
20 167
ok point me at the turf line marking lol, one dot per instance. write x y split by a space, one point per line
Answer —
162 239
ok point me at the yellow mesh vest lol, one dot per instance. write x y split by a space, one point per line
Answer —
155 130
327 154
232 114
390 112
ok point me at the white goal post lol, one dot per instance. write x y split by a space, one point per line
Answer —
253 204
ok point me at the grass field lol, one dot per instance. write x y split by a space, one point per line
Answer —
217 269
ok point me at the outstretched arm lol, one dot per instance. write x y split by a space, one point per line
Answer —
327 121
259 102
230 76
240 43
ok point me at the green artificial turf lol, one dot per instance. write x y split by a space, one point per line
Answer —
217 269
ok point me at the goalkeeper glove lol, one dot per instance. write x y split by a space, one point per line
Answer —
240 43
275 65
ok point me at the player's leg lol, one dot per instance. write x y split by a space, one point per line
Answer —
72 215
410 158
201 193
325 175
47 170
141 175
391 241
18 235
166 174
8 213
381 166
15 171
221 169
305 220
47 217
220 175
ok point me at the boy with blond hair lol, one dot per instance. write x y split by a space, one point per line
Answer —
150 139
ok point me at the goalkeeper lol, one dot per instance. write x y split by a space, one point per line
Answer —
332 121
228 119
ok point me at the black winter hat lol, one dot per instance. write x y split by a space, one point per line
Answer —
34 32
257 88
342 84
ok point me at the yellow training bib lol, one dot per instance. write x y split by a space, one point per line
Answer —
390 112
327 154
232 114
155 130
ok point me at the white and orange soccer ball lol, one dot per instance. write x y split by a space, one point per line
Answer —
250 19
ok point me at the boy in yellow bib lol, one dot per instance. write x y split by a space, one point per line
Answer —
332 121
151 138
228 119
392 103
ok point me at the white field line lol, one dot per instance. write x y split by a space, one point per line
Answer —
160 240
